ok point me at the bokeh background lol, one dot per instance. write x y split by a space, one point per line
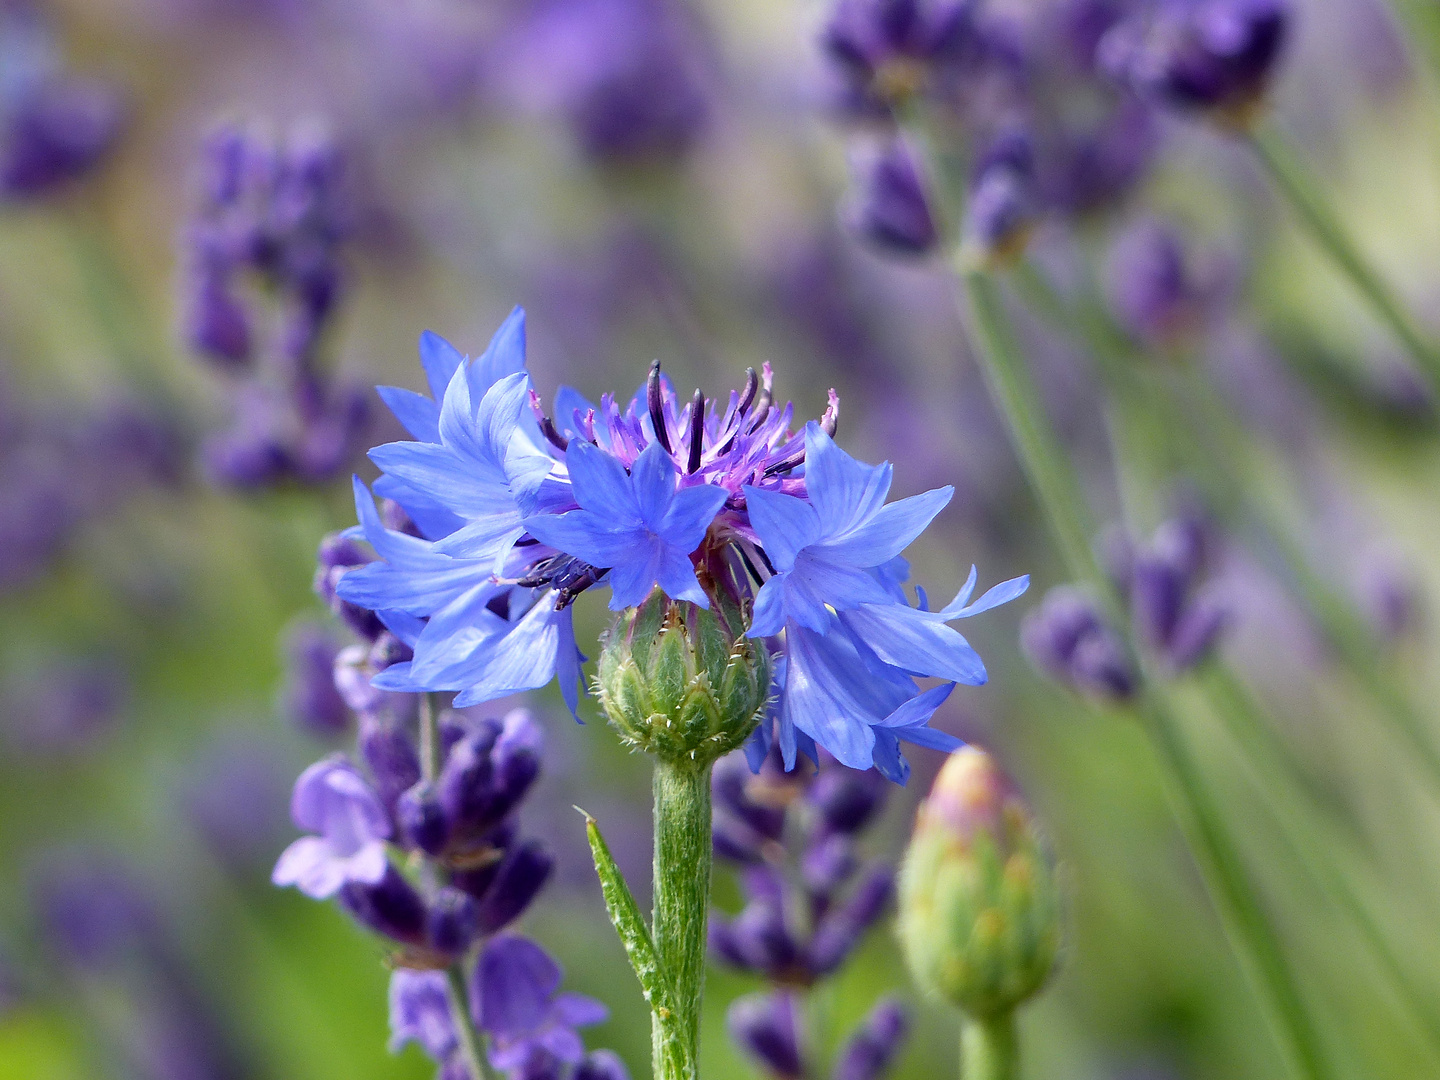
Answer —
657 180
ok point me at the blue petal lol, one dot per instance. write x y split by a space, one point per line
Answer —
889 762
569 402
569 663
417 414
600 483
632 577
768 615
818 703
690 514
783 523
453 481
846 493
505 355
433 520
890 531
917 642
586 535
405 627
917 711
676 576
440 360
652 478
486 540
525 658
994 597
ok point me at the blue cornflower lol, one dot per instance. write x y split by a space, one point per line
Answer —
719 505
640 525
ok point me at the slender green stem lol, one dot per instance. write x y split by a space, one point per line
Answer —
465 1032
1246 921
429 736
1231 470
682 907
1014 391
1055 483
989 1049
1320 219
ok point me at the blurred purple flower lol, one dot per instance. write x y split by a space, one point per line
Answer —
62 706
1159 294
1067 638
1213 56
309 698
888 51
872 1048
889 206
764 1025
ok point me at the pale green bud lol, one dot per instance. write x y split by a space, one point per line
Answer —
979 902
677 681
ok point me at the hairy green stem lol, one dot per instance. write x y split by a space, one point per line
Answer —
990 1048
682 907
1057 487
1323 224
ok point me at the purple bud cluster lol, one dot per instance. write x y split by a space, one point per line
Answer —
263 285
628 77
889 207
810 898
55 127
1048 130
1210 56
1176 613
1160 294
1068 639
429 858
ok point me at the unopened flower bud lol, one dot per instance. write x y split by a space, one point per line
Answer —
979 902
870 1051
764 1024
675 681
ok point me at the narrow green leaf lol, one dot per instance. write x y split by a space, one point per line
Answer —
629 923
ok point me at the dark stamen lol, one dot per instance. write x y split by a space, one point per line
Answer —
762 409
750 566
794 461
747 396
557 440
697 430
657 407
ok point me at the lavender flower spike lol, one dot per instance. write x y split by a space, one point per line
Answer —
332 799
515 1001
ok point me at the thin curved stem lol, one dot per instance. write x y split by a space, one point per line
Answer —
465 1033
1320 220
1057 487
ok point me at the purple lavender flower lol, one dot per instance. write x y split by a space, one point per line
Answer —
873 1047
273 222
515 998
1003 205
332 799
1160 296
420 1013
627 75
1089 167
510 535
1173 612
1066 638
889 208
62 706
1390 595
764 1026
888 51
1212 56
841 895
54 127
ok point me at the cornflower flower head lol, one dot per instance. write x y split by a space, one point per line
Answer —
769 552
810 899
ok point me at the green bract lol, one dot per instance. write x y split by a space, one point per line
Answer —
979 914
677 682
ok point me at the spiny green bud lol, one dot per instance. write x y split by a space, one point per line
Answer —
682 682
979 902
